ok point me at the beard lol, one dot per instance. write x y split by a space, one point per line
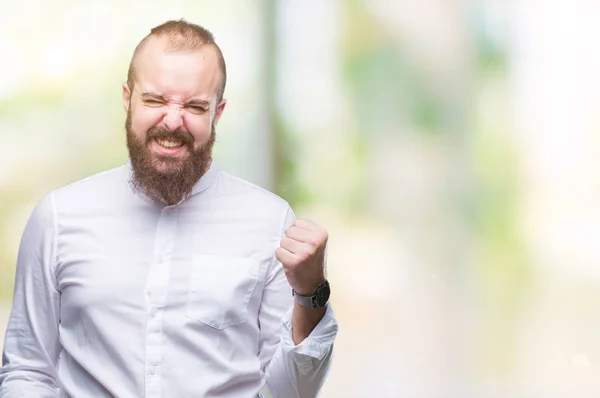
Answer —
166 179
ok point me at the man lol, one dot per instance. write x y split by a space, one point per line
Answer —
167 277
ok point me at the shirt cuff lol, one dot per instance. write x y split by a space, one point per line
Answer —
319 341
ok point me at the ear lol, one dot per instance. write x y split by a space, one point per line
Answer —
126 96
219 110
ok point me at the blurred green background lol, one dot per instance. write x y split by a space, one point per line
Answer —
450 147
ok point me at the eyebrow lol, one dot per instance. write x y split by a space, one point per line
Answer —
159 97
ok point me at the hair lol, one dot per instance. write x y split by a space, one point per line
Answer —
182 36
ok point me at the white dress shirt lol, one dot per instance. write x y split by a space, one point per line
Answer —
117 295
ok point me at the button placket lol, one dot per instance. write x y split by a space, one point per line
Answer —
156 293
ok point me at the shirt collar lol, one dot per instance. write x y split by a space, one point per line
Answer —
207 179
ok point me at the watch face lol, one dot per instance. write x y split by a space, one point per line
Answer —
322 295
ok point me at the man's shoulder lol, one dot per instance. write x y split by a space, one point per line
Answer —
248 191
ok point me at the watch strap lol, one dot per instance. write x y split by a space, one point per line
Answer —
305 301
318 299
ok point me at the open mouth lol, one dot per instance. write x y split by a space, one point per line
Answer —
169 143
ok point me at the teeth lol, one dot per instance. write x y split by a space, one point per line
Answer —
169 144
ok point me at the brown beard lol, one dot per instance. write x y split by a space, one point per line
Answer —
174 181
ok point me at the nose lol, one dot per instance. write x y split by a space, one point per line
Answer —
173 118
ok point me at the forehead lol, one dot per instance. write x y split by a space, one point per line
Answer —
177 74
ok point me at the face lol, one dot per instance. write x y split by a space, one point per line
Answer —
171 118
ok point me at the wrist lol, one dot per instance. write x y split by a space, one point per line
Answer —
309 289
318 298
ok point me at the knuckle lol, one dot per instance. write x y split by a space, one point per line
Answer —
310 250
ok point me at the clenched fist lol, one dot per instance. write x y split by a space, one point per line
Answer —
302 254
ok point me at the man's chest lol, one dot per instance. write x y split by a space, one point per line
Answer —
116 266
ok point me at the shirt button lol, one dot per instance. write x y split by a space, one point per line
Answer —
153 312
152 371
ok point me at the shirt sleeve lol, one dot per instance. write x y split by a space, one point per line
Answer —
31 345
292 370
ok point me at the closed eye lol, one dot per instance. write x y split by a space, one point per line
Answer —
152 102
198 110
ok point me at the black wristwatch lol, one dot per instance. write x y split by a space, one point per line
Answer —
318 299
